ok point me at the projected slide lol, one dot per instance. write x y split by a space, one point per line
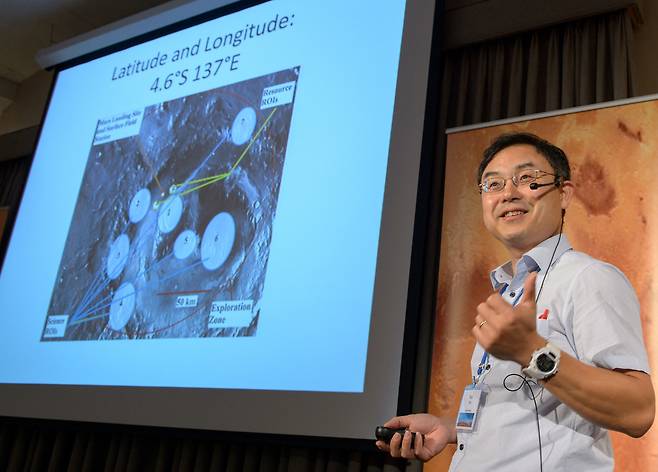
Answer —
206 207
177 204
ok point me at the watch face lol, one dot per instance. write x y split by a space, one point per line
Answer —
545 363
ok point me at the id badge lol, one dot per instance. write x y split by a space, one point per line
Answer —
469 408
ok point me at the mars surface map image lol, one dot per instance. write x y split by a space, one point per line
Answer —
171 231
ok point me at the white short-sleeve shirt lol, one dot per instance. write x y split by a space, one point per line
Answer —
589 310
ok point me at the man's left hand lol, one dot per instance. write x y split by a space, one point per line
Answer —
507 332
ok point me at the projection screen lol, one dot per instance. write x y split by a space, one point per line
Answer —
216 229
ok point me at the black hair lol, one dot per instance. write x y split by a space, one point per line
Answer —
553 154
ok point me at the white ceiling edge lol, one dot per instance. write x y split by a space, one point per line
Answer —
130 27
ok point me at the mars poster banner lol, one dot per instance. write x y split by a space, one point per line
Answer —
613 151
178 201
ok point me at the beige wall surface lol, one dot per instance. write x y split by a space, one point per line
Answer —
614 160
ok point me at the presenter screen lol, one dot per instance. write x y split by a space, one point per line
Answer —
203 217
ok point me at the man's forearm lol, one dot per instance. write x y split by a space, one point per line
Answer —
617 400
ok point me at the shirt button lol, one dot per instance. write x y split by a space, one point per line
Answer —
488 366
512 294
461 447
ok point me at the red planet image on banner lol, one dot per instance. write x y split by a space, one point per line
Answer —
613 152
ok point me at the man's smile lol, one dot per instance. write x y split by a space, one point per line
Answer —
512 213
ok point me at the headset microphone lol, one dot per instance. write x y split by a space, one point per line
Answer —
535 185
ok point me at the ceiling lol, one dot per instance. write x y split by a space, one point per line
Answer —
26 26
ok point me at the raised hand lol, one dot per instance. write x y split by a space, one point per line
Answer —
506 332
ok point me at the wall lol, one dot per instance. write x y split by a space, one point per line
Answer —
28 105
472 21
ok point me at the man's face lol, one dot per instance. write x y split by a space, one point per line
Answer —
519 217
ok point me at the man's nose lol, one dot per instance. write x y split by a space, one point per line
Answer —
510 190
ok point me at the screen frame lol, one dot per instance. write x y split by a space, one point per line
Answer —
389 294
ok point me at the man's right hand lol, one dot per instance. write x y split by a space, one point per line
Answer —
436 433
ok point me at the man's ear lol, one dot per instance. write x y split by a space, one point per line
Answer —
567 190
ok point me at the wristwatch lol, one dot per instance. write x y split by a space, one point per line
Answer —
543 363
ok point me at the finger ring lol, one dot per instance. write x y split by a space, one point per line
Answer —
482 323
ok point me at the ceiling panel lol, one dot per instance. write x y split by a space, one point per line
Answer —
28 26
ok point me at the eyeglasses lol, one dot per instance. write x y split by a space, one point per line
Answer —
522 178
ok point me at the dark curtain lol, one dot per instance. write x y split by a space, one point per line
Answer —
569 65
13 174
574 64
27 446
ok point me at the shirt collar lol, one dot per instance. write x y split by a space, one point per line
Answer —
536 258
